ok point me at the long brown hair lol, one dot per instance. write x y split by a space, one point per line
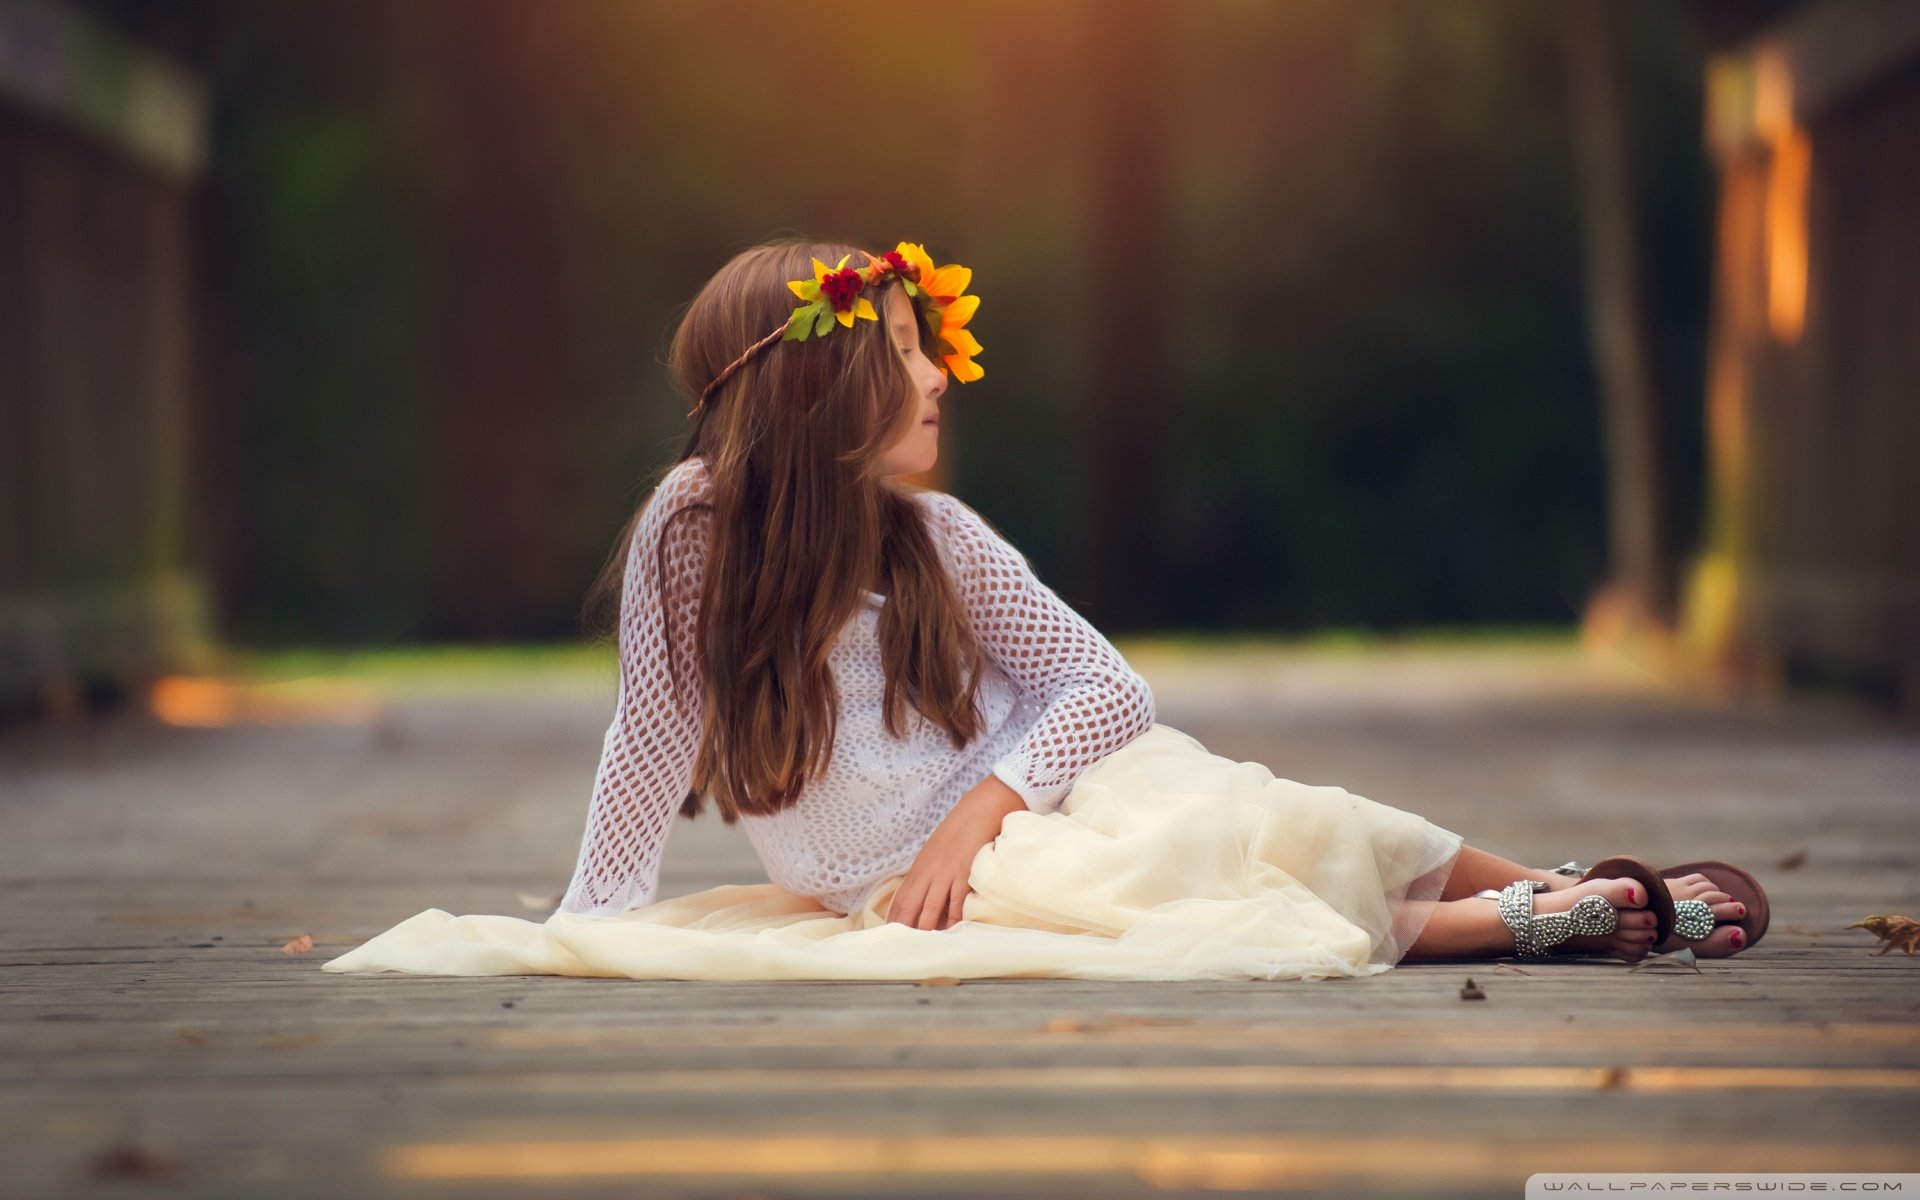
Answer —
801 523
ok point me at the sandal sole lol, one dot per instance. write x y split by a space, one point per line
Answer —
1659 899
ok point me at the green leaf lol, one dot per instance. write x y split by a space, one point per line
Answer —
913 289
825 322
800 324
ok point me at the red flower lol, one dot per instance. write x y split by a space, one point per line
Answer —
843 288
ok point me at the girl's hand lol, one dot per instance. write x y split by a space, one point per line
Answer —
935 887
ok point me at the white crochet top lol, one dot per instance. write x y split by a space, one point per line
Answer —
1057 697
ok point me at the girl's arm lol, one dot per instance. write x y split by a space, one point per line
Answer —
1093 701
647 756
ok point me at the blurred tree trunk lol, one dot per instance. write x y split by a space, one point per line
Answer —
1638 490
504 323
1129 282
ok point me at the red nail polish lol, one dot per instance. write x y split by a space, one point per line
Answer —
1741 909
1738 938
1633 896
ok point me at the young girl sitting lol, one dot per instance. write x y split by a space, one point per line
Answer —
944 769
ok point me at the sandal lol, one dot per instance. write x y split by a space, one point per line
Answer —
1693 920
1625 866
1697 921
1533 936
1620 866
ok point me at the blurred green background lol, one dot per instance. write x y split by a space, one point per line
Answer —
1299 315
448 241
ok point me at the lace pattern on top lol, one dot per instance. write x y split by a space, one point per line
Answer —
1057 697
648 753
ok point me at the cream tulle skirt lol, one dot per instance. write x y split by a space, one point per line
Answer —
1166 861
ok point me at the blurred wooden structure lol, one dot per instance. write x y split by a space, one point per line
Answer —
1810 571
100 142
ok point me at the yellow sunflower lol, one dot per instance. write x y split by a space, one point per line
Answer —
948 309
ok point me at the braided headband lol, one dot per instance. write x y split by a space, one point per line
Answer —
836 293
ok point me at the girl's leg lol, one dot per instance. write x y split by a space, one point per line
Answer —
1472 928
1476 869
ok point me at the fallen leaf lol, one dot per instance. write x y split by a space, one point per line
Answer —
1614 1077
938 981
1471 991
299 945
132 1160
1514 969
1682 957
1794 861
1894 931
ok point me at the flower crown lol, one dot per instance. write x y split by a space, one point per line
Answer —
837 293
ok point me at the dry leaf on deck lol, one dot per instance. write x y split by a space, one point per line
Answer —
1471 991
1683 957
1794 861
131 1160
1894 931
299 945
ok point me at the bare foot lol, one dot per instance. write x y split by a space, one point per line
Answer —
1632 938
1726 939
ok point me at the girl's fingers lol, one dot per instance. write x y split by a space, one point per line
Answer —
957 903
905 900
931 910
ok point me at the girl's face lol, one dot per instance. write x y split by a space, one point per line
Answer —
920 447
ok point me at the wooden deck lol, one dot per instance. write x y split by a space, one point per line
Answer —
158 1041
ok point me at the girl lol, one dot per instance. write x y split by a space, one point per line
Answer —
944 769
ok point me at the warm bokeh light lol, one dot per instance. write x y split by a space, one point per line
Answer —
1789 169
211 702
1166 1161
1787 180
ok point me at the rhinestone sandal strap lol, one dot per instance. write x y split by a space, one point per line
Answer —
1692 919
1534 936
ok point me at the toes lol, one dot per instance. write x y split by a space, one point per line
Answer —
1726 940
1722 942
1622 893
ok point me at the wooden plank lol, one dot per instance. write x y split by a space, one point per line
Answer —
126 854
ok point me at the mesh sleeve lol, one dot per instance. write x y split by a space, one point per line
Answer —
647 756
1094 702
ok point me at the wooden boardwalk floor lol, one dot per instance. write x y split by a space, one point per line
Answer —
157 1039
